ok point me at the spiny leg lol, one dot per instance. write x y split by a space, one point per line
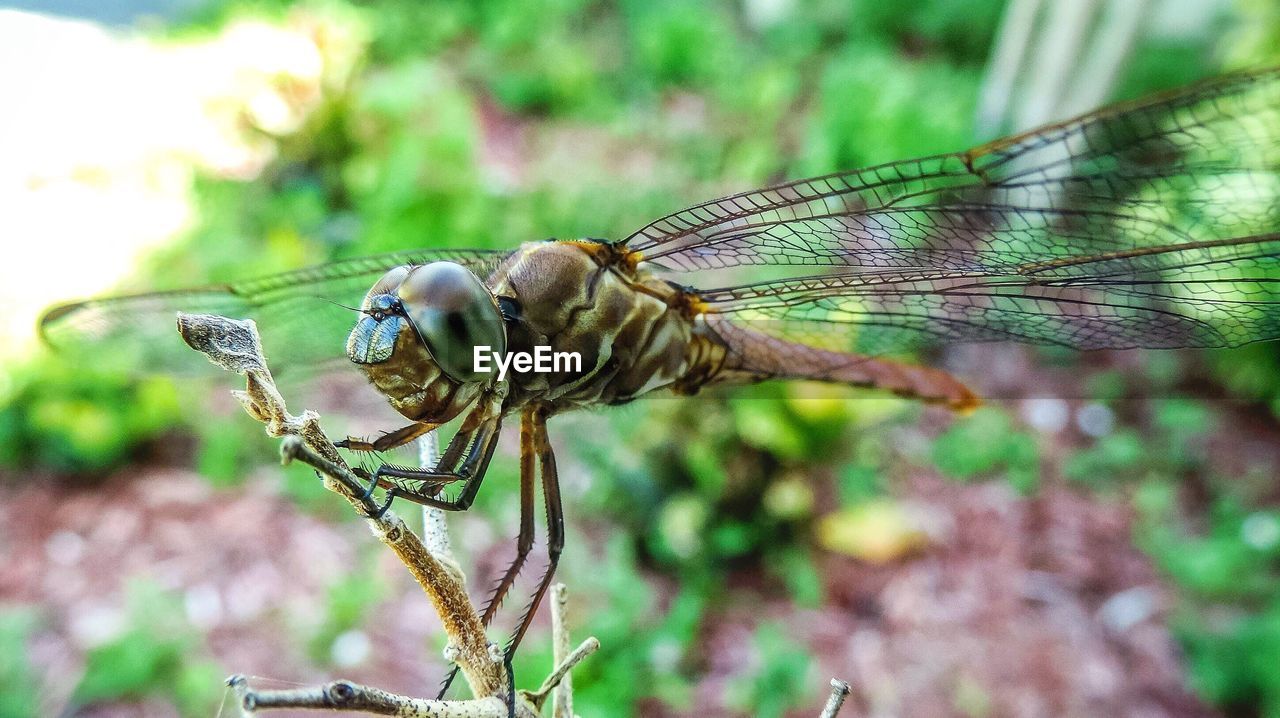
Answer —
442 473
524 541
454 452
389 440
555 522
474 466
466 457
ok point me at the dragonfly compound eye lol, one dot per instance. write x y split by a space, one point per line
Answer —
453 313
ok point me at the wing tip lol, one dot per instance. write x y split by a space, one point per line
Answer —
50 317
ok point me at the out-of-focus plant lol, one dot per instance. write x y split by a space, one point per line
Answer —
1233 665
81 418
646 653
347 602
1228 616
739 484
21 696
158 655
1173 448
782 677
987 444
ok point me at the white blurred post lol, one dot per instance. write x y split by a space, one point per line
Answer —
1004 67
1051 61
435 533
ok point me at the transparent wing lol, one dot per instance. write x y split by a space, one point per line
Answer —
1151 223
1196 164
302 315
1208 294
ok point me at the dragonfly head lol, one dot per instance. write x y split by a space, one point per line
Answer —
418 335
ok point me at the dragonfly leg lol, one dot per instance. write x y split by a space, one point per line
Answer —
442 470
434 478
388 441
427 482
466 459
555 522
474 464
511 686
524 541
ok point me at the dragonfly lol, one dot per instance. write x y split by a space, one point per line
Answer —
1154 223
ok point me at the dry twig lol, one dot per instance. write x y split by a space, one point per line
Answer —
839 691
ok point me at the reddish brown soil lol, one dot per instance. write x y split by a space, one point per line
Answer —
1022 607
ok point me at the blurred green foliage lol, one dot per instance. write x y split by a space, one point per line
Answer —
644 654
347 602
782 679
987 443
158 655
1229 616
21 695
82 419
704 97
1173 447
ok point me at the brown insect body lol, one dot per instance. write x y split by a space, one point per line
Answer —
636 333
571 297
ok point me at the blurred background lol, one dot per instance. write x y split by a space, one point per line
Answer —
1105 542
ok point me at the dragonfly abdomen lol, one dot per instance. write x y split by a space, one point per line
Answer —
752 355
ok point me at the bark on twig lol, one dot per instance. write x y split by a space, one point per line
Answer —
348 696
839 691
234 346
562 699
